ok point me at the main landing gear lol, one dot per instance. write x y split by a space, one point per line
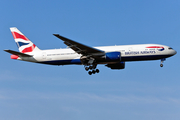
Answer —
93 72
89 64
162 60
93 68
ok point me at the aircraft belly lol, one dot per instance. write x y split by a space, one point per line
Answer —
62 62
144 57
56 59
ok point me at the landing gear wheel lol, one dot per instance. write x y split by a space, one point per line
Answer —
90 73
161 65
97 70
86 68
90 67
93 71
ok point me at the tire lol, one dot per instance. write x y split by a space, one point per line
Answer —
90 73
161 65
90 67
97 70
86 68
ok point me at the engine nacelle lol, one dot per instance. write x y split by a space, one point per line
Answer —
120 65
113 56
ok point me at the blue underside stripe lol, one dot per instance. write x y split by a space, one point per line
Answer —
63 62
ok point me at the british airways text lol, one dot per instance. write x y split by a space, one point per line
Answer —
139 52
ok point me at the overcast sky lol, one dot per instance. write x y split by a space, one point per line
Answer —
142 91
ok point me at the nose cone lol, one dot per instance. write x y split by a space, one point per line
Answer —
174 52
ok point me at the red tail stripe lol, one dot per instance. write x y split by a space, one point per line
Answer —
17 35
14 57
29 49
154 47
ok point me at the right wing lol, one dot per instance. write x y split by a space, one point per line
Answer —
78 47
18 53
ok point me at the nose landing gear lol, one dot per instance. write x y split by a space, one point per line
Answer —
162 60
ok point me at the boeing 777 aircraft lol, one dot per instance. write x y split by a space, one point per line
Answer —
113 57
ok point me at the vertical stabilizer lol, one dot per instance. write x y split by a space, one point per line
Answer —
23 43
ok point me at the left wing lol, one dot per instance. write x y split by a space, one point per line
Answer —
78 47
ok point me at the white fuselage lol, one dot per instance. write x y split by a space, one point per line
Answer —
128 53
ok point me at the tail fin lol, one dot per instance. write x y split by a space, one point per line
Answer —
23 43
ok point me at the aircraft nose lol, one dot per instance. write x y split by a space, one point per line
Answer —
175 52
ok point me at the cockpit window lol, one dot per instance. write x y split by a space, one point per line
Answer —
170 48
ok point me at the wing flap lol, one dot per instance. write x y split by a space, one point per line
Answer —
74 47
18 53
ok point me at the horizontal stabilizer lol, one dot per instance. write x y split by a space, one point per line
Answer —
18 53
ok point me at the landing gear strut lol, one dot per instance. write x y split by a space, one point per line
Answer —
162 60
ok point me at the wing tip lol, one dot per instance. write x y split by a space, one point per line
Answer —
56 34
6 50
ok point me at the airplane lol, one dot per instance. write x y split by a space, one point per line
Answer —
113 57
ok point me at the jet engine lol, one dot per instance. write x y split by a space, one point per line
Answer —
120 65
113 56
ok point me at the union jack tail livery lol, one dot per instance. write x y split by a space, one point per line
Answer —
23 43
